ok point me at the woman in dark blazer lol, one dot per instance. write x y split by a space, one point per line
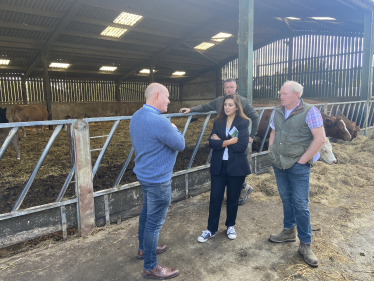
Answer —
229 165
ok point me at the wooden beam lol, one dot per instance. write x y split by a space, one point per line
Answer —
31 11
47 84
172 46
108 38
25 26
150 15
131 28
63 23
218 81
24 91
209 69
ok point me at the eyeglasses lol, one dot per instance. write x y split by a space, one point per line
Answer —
232 87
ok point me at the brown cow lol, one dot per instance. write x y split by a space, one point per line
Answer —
27 113
334 127
351 126
4 132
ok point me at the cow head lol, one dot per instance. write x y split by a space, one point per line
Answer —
335 128
326 153
3 118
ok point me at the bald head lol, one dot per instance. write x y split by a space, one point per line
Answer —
153 88
157 95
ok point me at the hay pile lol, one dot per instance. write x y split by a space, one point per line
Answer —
354 170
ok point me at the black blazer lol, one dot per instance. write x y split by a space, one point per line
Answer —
237 164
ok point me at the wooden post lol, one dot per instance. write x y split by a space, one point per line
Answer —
116 91
47 87
246 23
367 71
219 82
290 54
24 93
83 183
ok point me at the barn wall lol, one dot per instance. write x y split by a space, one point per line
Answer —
81 110
201 88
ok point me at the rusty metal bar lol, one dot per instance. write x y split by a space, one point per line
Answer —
36 169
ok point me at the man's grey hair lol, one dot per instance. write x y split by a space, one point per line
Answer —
229 80
295 87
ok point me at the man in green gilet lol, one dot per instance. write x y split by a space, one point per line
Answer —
230 88
297 136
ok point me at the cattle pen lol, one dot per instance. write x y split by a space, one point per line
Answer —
89 62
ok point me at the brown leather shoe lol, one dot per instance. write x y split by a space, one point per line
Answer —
161 272
160 250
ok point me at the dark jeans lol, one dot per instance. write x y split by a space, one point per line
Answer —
156 201
218 184
293 187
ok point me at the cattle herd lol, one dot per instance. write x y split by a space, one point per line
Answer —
337 126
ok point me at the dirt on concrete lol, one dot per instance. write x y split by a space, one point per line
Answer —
342 217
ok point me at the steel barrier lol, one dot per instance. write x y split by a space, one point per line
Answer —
120 201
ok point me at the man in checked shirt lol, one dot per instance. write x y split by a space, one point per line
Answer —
297 136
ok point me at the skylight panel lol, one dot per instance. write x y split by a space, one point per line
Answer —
179 73
108 68
204 46
222 36
128 19
114 32
322 18
292 18
4 62
59 65
146 71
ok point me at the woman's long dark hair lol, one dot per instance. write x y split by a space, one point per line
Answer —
239 113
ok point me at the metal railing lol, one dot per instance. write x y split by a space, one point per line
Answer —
353 111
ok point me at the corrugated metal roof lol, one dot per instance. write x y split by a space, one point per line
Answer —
71 30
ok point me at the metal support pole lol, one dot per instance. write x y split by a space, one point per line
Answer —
83 183
246 23
367 63
64 224
290 56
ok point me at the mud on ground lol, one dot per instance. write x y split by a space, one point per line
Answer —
342 212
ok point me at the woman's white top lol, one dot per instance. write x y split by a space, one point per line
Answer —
226 152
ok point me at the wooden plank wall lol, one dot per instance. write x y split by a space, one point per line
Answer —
65 91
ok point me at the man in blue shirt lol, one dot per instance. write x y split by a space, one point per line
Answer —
156 142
